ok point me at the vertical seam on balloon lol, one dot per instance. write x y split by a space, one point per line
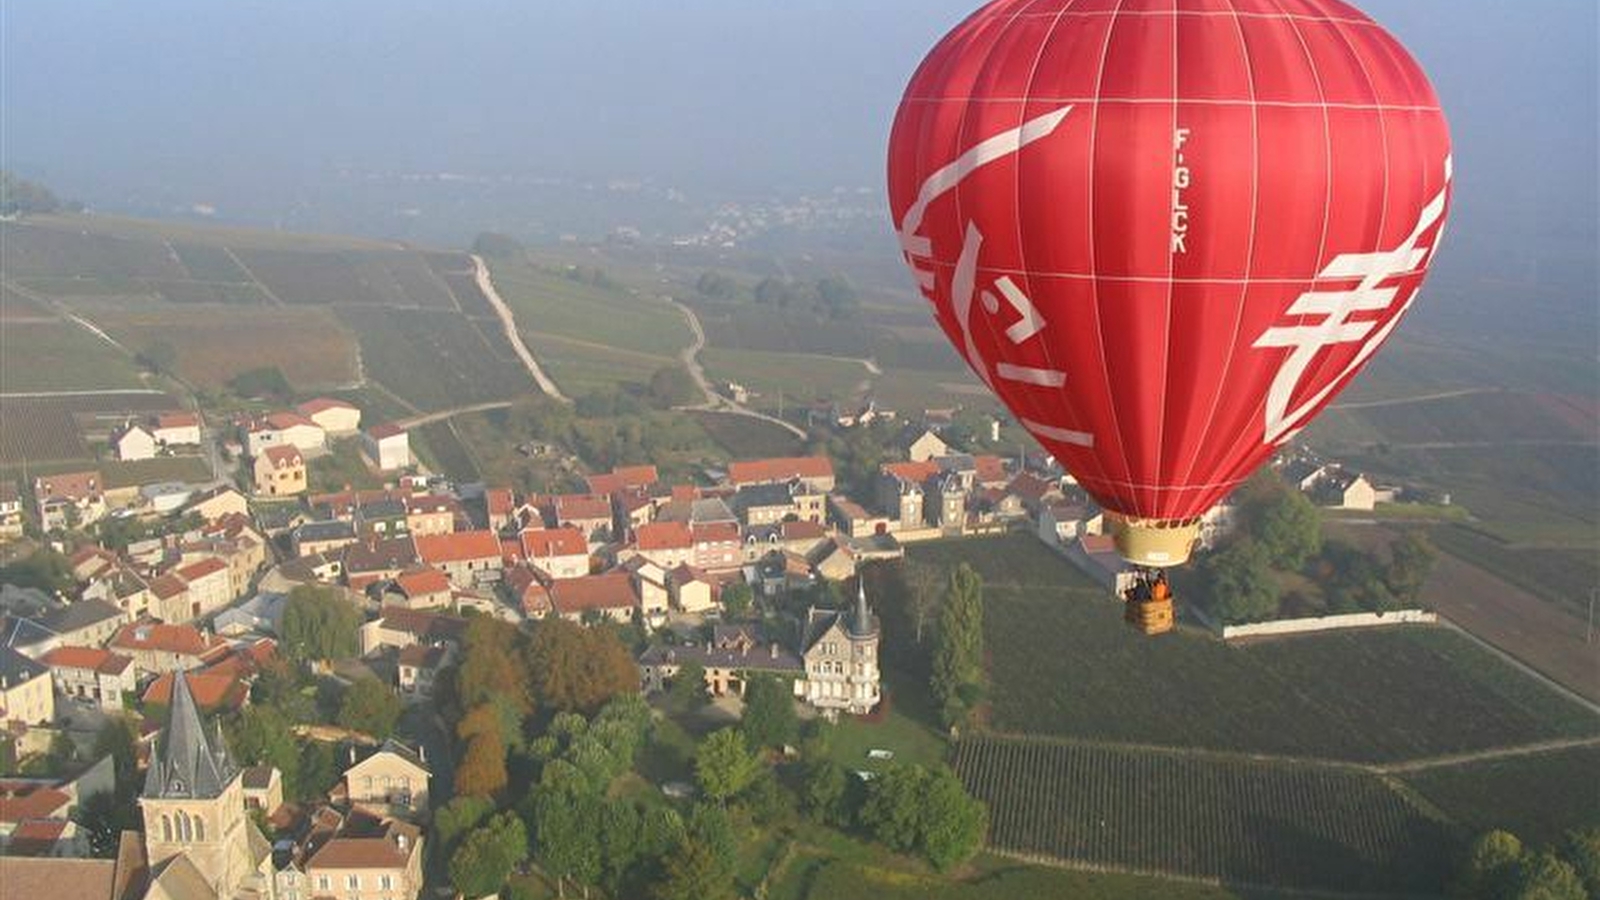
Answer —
1022 250
1094 263
1383 212
1172 269
1250 243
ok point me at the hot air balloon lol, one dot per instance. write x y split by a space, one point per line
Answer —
1166 233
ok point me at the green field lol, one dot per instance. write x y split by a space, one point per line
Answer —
60 356
810 875
800 378
578 366
1537 797
746 438
341 468
1070 667
1240 820
546 302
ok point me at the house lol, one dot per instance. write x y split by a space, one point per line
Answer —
1062 523
763 504
923 445
83 623
36 820
1036 493
557 552
667 544
180 428
589 513
367 562
528 592
91 674
285 429
691 590
650 586
716 546
840 650
832 560
385 517
218 503
391 781
321 537
387 447
417 669
424 588
157 647
902 495
610 596
469 557
124 589
214 692
11 518
261 614
25 690
69 499
263 789
1096 555
733 654
1343 489
435 514
209 587
854 519
335 417
398 628
623 478
132 442
815 471
368 861
280 471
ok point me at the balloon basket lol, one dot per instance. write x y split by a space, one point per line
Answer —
1152 543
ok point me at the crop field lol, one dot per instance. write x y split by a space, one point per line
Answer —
445 452
1492 416
578 366
433 359
747 438
60 356
367 278
546 303
37 430
213 344
1185 814
801 378
189 469
1536 797
14 307
811 875
1561 575
32 250
1071 668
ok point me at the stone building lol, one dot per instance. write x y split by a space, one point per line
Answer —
840 650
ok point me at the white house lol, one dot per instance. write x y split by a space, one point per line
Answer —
175 429
336 417
286 429
134 442
388 446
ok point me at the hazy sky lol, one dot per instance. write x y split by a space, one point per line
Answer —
214 97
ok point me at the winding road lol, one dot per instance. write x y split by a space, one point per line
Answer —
509 323
715 402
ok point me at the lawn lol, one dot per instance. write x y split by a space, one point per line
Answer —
1537 797
1198 816
903 730
444 452
188 469
60 356
342 468
1062 663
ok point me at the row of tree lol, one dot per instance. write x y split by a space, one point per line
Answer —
830 297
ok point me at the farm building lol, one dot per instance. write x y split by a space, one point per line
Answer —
281 429
176 429
387 446
133 442
336 417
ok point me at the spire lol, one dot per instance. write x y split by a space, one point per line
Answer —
185 764
861 621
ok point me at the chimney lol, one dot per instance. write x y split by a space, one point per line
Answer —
422 753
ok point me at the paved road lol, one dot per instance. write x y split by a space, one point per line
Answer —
715 402
509 323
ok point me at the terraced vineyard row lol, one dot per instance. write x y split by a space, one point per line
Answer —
1239 820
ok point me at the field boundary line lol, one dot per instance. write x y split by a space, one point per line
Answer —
508 321
1073 865
1465 759
445 415
1516 663
254 279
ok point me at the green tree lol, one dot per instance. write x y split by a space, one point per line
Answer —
1289 529
620 826
159 357
483 862
958 656
266 383
1544 876
825 793
769 718
1239 583
1582 849
1491 861
672 386
737 599
104 817
715 285
952 822
688 689
725 765
43 569
1411 560
319 625
455 820
18 196
319 770
261 736
573 668
695 873
370 707
566 826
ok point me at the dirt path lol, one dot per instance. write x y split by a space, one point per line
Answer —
509 322
1459 759
1419 398
715 402
443 414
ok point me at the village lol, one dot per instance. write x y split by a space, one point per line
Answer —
749 572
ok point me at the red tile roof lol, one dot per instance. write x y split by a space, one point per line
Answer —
457 547
989 469
664 536
581 507
284 455
1098 543
592 592
36 837
283 421
68 485
103 661
499 501
19 802
716 532
168 586
211 690
802 531
197 570
177 420
760 471
423 582
544 543
160 636
322 404
916 472
382 852
386 430
624 477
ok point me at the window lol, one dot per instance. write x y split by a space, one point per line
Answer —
352 881
199 828
385 882
324 883
166 827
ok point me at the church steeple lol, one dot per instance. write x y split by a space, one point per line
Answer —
862 623
186 763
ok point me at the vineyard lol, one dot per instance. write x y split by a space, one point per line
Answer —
50 429
1533 796
435 359
1238 820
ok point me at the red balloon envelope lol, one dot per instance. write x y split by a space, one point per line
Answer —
1167 233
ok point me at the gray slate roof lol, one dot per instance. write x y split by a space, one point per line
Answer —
16 668
187 763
